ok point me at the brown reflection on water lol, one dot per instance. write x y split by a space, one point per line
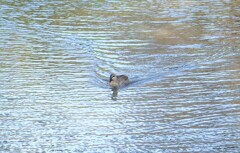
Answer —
177 34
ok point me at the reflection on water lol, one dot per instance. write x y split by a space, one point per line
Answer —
114 94
182 58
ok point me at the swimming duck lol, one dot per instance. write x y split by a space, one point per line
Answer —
117 81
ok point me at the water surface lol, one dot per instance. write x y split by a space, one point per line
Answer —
182 58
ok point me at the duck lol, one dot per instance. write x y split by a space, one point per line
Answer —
117 81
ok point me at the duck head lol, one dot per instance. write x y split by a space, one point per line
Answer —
113 77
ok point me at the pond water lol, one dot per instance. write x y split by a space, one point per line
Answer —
182 59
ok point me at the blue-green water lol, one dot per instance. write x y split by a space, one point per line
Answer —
182 59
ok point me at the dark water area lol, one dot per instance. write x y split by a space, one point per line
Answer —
182 59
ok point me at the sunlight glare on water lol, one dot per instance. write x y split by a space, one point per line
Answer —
182 59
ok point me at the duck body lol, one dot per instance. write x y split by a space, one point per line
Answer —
117 81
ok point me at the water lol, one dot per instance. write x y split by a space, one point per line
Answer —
182 58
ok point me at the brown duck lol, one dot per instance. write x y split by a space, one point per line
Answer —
117 81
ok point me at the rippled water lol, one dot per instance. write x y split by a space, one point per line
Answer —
182 58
